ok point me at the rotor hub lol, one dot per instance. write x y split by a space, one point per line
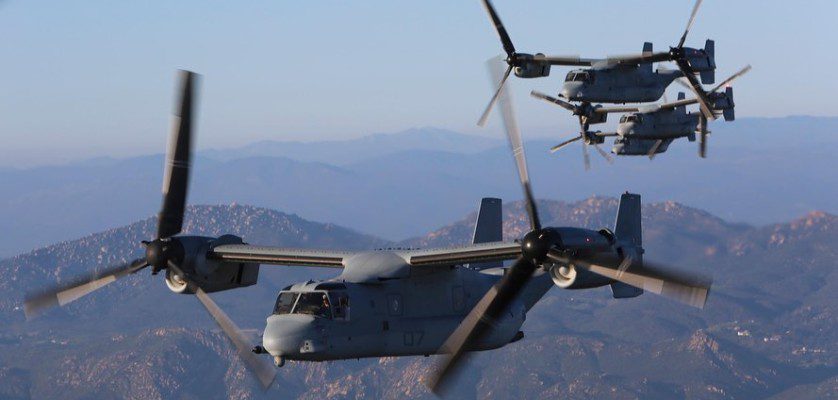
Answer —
537 244
159 252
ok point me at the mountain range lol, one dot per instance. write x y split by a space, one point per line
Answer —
401 185
768 331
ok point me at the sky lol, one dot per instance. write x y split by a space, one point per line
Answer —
96 78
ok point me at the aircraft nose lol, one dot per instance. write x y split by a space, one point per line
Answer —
291 334
571 90
566 93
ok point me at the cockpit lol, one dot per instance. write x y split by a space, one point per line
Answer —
631 118
327 304
575 76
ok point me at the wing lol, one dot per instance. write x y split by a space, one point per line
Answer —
677 103
480 252
280 255
570 61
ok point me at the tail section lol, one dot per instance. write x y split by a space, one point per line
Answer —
708 76
628 230
681 109
728 112
647 51
489 227
628 227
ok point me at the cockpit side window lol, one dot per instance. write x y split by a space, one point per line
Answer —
340 305
285 302
314 303
569 76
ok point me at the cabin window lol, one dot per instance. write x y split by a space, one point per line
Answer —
285 302
314 303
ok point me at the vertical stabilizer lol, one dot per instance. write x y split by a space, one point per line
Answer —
628 230
628 227
647 51
708 76
489 227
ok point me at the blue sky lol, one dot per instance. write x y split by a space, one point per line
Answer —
95 78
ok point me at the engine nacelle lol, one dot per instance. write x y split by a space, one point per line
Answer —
211 275
532 69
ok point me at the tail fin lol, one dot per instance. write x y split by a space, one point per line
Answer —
647 50
489 227
729 112
708 77
628 230
681 109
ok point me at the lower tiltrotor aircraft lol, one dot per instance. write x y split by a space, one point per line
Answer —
445 301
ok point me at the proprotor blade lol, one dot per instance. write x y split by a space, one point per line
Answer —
732 78
698 90
551 99
260 368
479 321
665 281
702 145
689 23
61 295
488 110
178 158
517 146
508 47
563 144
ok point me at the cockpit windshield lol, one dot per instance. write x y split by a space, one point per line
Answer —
314 303
310 303
630 118
577 77
285 302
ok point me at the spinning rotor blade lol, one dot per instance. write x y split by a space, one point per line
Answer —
485 116
176 173
497 299
732 78
563 144
479 320
516 144
697 89
551 99
62 295
689 23
686 288
654 150
702 145
263 371
586 156
508 47
604 155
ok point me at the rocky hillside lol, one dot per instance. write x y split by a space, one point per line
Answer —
768 330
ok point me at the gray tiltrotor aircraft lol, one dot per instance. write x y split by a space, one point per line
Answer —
391 302
617 79
649 129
